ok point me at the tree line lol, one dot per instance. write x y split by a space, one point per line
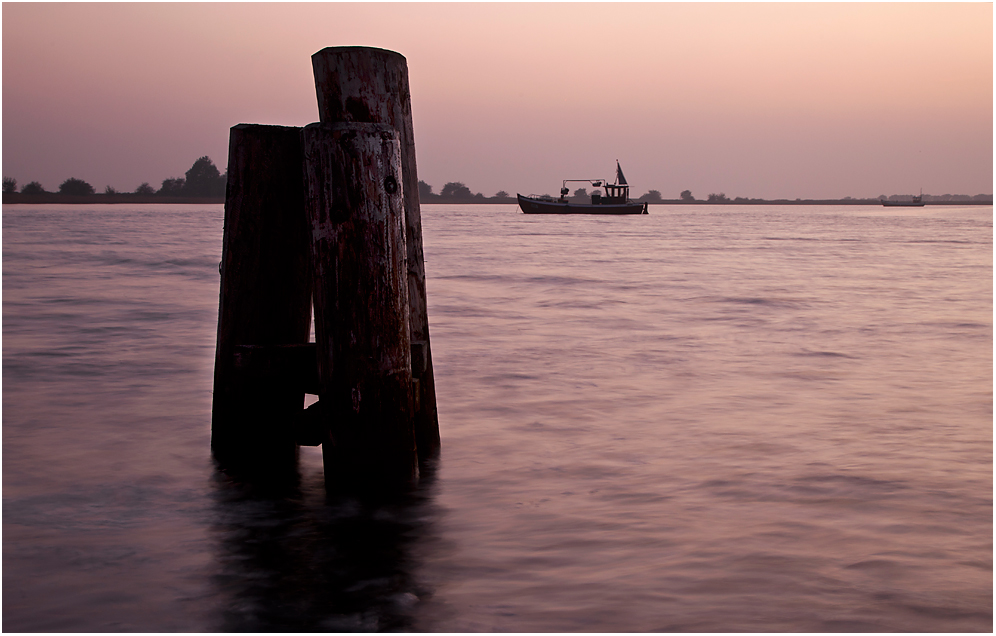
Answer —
455 191
202 180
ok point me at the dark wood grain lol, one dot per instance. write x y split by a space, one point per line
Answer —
362 84
265 296
355 204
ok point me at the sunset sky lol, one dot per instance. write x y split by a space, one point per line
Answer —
755 100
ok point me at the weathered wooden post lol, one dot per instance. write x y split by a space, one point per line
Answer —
362 84
355 203
265 301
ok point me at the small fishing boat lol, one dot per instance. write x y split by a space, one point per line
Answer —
917 202
615 201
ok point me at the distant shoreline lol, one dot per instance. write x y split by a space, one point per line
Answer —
54 198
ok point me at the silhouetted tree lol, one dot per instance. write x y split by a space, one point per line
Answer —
33 188
501 194
145 188
581 193
204 180
424 189
717 198
75 186
686 195
456 190
172 187
654 196
109 190
9 184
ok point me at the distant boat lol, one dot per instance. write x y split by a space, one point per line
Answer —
615 201
917 202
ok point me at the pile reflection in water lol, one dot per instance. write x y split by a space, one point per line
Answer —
292 558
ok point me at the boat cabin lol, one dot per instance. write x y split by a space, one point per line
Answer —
614 193
617 192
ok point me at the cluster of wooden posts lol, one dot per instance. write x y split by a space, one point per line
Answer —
327 217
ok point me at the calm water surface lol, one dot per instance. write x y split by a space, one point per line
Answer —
709 418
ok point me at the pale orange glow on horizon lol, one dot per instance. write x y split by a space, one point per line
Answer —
795 100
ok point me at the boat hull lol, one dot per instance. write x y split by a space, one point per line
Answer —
530 205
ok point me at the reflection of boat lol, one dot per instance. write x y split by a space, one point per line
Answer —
917 202
615 201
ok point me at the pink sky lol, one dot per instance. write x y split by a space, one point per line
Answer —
754 100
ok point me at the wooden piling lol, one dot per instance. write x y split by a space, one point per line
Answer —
355 203
265 298
368 85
